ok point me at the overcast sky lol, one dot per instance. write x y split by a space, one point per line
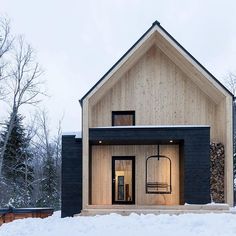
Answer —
78 41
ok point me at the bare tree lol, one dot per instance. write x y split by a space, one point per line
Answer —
43 133
24 85
58 146
57 141
6 41
48 151
230 81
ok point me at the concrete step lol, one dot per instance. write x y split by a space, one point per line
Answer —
172 210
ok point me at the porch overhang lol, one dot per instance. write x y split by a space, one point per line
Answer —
143 135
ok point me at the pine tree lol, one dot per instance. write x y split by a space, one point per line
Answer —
50 196
48 149
17 169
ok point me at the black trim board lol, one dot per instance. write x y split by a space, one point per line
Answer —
142 135
156 23
127 52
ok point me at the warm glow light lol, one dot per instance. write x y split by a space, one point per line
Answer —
100 141
171 141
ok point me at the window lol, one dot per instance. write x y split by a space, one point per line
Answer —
123 118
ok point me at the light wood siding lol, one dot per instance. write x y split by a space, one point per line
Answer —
160 93
102 176
164 89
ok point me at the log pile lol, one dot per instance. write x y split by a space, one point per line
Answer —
217 156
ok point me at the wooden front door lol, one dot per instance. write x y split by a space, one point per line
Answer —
123 180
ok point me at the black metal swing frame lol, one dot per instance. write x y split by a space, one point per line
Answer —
154 187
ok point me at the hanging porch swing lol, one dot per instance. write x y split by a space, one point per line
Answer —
158 174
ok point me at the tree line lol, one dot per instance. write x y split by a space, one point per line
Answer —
30 157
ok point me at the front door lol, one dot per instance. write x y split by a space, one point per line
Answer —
123 180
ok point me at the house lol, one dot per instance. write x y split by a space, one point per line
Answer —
147 125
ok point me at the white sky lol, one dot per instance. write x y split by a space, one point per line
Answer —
78 41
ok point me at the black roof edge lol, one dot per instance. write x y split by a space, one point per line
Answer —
192 57
169 35
154 23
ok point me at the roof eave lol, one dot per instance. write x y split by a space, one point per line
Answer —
196 61
156 23
81 102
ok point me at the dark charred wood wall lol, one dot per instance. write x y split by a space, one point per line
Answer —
71 196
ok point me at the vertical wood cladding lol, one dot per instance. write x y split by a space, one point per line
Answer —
102 176
71 195
160 93
163 87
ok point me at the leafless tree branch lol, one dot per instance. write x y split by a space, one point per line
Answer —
231 82
25 84
6 41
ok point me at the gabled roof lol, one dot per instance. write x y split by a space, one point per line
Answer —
155 24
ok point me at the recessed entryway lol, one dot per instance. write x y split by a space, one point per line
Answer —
112 166
123 180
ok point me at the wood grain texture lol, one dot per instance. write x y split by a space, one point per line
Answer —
102 176
85 153
160 93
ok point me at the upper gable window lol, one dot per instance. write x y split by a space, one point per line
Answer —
123 118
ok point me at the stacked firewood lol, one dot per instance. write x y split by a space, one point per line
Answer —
217 156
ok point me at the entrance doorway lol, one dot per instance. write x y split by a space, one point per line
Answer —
123 180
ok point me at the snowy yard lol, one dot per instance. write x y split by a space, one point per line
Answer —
133 225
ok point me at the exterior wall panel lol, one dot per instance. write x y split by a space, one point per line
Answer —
102 176
71 196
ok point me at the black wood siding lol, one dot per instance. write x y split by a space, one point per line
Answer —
195 149
71 195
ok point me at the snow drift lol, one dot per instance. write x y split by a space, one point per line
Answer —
133 225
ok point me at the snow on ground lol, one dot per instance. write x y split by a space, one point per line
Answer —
133 225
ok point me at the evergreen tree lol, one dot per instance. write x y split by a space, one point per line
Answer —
17 167
50 196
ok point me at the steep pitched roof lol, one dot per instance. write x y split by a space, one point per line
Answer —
155 24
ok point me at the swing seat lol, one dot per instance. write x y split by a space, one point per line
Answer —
157 187
154 186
